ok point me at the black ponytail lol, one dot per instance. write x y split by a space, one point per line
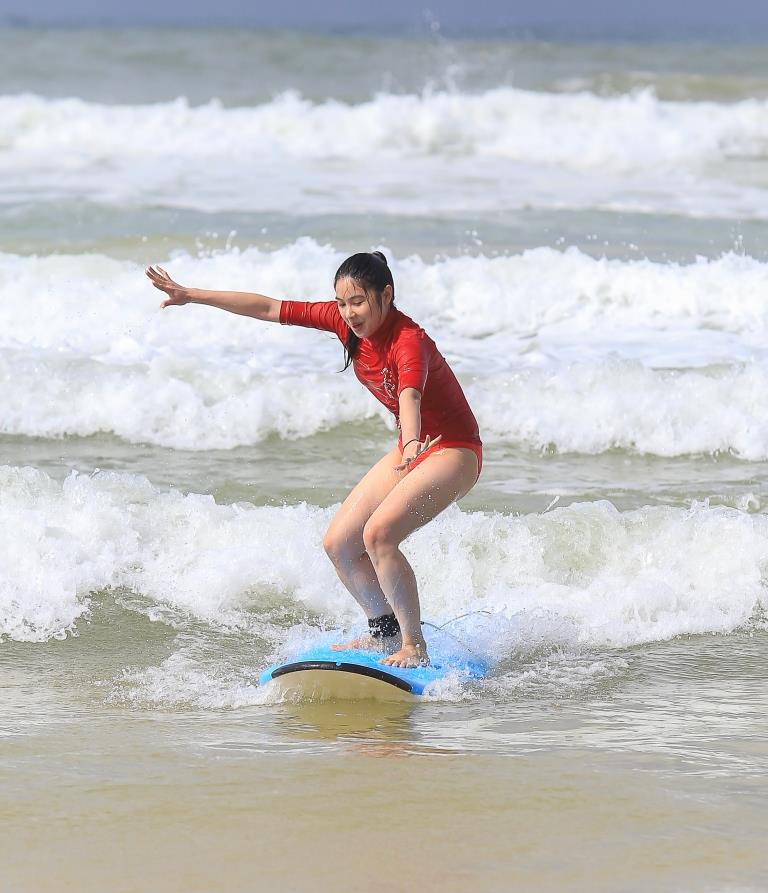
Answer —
373 273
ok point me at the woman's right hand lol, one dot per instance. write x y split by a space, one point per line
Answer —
177 294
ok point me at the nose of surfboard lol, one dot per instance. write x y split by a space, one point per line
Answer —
318 680
321 674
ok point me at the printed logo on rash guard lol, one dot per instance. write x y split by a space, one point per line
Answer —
388 384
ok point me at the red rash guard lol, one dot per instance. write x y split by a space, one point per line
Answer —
399 355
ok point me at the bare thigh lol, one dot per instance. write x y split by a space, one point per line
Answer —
345 534
421 495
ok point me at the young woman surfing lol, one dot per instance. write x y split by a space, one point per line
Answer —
437 459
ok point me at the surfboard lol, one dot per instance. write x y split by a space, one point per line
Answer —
319 673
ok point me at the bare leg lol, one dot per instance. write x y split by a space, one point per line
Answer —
344 545
421 495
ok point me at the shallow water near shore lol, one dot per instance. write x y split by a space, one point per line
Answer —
663 764
582 229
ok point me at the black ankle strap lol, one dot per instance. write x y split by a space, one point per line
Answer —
384 627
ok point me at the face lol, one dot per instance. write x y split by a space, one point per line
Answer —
359 309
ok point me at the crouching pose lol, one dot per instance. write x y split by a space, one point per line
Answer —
436 461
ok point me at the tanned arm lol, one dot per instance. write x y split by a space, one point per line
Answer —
241 302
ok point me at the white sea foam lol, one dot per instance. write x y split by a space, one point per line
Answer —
98 306
172 403
182 680
580 408
586 575
561 672
497 149
553 348
582 130
585 408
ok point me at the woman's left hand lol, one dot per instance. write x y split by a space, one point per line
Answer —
414 449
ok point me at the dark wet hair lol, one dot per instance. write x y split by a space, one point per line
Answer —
372 271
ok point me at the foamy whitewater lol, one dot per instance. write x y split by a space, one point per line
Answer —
525 148
554 348
578 130
623 582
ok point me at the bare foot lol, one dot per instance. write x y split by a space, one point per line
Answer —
367 643
408 656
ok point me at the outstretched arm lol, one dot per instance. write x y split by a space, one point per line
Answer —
241 302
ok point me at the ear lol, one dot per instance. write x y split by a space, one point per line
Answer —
386 296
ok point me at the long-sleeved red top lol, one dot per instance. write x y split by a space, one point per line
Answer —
398 355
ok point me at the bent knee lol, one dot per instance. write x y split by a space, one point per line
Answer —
333 544
340 548
378 536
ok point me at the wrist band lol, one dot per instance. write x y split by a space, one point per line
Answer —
416 439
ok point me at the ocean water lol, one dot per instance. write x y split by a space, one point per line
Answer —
582 228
